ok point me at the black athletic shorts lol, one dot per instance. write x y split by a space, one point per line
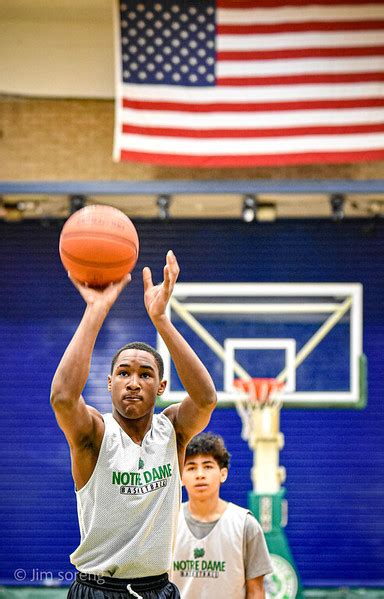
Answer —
90 586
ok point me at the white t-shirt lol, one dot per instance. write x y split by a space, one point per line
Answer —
128 509
213 566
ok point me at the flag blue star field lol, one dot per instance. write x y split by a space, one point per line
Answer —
208 83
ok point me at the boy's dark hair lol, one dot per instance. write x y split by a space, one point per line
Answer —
143 347
209 444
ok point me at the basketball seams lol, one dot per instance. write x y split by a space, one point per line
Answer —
67 236
99 264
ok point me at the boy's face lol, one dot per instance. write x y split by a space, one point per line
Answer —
202 476
135 383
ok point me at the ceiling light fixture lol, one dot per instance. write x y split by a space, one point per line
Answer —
163 203
337 201
248 212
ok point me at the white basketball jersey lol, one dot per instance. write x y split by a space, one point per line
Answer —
128 509
211 567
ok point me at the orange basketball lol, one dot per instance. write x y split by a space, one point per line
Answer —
98 245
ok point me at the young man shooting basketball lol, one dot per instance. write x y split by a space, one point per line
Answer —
126 464
220 548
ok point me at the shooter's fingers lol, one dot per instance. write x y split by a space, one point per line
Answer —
78 284
173 265
147 278
167 277
119 285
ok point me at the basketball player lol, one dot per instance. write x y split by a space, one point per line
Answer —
220 548
126 464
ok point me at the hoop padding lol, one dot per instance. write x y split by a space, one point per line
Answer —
260 393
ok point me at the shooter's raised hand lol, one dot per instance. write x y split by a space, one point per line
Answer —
156 297
105 297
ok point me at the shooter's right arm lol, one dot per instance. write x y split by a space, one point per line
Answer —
82 425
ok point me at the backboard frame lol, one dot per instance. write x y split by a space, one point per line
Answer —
348 299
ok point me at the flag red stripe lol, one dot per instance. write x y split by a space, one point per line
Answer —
308 26
245 161
301 53
263 4
301 79
243 133
254 106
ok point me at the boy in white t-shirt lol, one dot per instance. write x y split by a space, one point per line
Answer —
220 547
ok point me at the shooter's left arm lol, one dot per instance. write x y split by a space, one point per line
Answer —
193 414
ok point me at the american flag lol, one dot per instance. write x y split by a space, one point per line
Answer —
206 83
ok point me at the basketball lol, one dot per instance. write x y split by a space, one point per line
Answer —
99 245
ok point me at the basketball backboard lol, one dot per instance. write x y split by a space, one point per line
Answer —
307 334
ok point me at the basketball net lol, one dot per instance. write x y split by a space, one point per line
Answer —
261 404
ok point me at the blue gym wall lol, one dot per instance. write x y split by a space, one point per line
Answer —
334 459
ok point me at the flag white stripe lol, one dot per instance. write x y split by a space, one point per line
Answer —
249 146
252 120
301 14
290 41
268 93
299 66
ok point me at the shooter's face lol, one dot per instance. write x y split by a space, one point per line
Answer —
135 383
202 476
